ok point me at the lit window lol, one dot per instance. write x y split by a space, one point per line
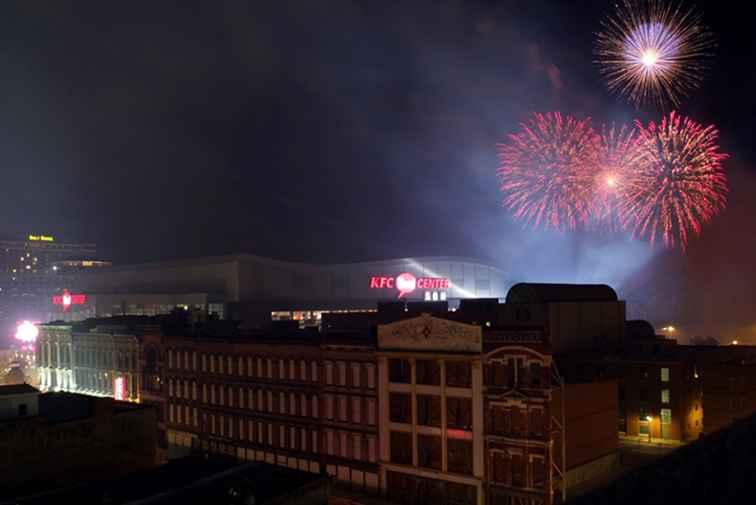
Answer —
665 395
666 416
665 374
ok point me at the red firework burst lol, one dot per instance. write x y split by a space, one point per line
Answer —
618 154
679 183
546 170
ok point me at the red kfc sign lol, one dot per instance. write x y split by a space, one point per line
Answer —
67 299
406 283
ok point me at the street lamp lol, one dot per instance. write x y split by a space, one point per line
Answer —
649 419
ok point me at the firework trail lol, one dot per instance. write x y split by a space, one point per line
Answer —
546 170
653 52
679 182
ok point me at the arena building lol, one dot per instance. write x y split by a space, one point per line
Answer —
254 289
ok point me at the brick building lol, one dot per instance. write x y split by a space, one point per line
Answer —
474 415
291 399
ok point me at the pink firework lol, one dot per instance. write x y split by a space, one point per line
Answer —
679 183
546 170
618 155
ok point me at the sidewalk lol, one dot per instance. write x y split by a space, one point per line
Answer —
644 441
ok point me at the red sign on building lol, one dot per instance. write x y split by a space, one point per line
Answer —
406 283
67 299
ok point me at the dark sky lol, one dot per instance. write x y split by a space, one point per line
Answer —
340 131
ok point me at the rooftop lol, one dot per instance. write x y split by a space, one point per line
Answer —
187 480
546 293
17 389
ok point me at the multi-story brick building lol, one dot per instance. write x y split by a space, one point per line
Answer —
287 399
474 414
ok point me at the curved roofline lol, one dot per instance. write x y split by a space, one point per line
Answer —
230 258
525 292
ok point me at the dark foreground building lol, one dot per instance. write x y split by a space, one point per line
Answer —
61 438
195 480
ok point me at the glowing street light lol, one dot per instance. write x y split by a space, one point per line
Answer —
649 419
734 342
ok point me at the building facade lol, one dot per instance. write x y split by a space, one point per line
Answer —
99 361
253 289
294 402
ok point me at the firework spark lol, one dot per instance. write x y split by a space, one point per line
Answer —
618 156
653 52
546 171
679 182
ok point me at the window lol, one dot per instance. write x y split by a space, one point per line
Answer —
204 362
400 408
23 410
250 371
460 456
281 403
220 366
501 420
292 370
357 446
293 404
518 470
665 374
314 371
356 409
355 375
240 366
314 411
429 451
400 371
537 422
458 413
666 416
170 358
500 374
370 375
330 445
212 363
302 370
342 373
643 373
204 393
343 408
343 445
538 471
401 448
372 457
303 405
501 471
427 372
536 379
371 411
665 396
329 372
329 406
281 369
428 410
458 374
269 368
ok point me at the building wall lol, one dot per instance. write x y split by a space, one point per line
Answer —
581 326
101 445
88 363
591 410
286 404
729 393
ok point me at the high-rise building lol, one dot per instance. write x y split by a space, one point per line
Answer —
33 271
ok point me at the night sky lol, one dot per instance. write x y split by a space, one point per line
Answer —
330 131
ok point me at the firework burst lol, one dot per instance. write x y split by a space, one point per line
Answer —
618 155
546 171
653 52
679 182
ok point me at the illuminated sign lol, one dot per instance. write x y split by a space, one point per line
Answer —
406 283
87 263
67 299
41 238
119 388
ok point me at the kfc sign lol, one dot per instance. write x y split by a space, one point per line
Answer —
406 283
67 299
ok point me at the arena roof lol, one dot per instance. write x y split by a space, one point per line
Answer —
546 293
